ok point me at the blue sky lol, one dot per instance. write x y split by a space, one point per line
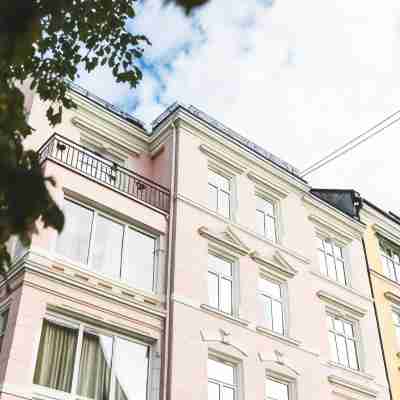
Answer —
298 78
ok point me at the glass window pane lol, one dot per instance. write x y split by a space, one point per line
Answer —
213 178
277 315
332 346
322 262
220 371
95 367
276 390
260 221
320 244
220 265
342 352
348 329
213 391
328 247
340 272
73 241
267 311
228 393
270 229
213 290
331 267
226 296
138 266
131 363
224 204
338 251
107 247
268 287
223 183
338 325
213 197
353 363
56 357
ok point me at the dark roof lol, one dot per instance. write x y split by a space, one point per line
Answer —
388 214
231 134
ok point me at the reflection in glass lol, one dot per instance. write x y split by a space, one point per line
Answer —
220 371
276 390
95 366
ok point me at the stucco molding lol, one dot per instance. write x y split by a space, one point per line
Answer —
266 185
286 250
223 338
94 132
226 239
277 336
353 386
289 376
344 305
357 228
224 159
278 264
328 228
391 235
392 297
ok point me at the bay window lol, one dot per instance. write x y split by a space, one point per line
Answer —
81 361
106 246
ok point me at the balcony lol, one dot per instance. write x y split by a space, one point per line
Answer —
105 172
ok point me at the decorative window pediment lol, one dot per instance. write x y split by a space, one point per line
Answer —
354 387
223 337
342 305
226 238
278 265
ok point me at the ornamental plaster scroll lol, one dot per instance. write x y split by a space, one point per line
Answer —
222 337
279 360
278 264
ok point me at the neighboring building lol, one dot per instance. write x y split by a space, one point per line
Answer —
193 265
382 244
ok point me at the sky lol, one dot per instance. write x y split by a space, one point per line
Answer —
299 78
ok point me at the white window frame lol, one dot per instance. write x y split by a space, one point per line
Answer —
343 259
384 246
396 324
126 225
221 385
233 279
82 327
282 300
287 380
215 170
274 217
356 339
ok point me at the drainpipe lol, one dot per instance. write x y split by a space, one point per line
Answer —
377 319
170 266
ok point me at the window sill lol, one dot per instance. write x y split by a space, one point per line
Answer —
355 372
277 336
229 317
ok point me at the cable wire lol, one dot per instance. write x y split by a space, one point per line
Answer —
337 153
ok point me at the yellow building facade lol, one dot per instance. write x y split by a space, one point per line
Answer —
382 248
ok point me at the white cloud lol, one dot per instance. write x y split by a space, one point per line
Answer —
298 78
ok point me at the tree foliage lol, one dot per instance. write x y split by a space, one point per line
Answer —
47 42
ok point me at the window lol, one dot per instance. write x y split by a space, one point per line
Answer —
219 193
266 219
220 284
92 365
222 379
271 298
331 260
342 341
396 321
276 390
3 326
390 256
108 247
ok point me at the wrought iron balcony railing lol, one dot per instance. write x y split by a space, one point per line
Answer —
98 168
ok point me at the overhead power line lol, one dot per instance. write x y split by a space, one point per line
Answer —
353 143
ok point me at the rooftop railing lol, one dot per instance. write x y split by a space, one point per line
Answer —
108 173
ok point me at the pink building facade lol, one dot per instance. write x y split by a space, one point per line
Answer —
193 265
